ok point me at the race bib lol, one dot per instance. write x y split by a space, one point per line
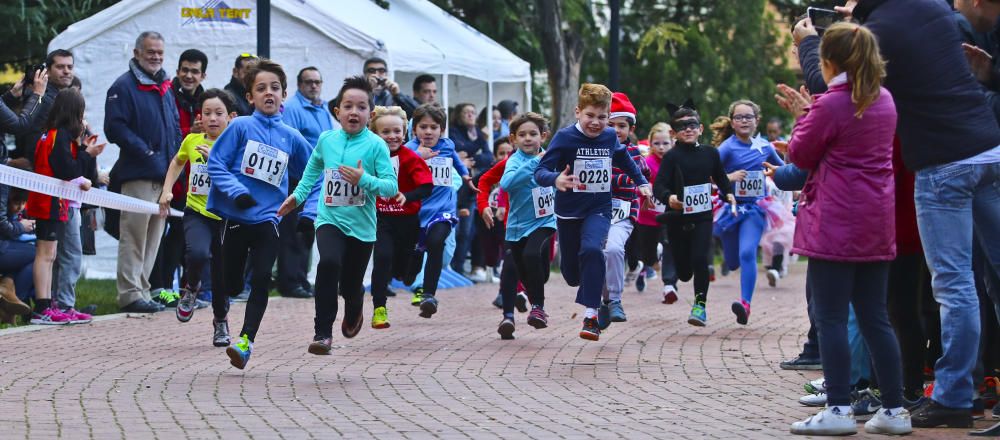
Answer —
340 192
658 206
199 183
395 164
264 163
495 198
440 170
619 210
594 175
752 185
697 198
544 198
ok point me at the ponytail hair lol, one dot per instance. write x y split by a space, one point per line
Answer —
722 129
854 49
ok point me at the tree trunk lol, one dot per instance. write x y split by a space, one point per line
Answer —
563 53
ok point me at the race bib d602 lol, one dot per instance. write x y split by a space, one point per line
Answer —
752 185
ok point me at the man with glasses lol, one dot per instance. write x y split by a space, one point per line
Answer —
235 86
386 91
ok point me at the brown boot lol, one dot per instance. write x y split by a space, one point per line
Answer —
8 299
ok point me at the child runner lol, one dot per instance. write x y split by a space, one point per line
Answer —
398 217
648 232
743 155
356 167
58 154
684 184
530 222
437 214
578 163
202 229
624 210
250 164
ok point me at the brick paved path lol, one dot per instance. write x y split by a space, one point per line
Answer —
449 377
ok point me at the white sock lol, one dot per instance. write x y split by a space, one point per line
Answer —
590 313
893 412
844 409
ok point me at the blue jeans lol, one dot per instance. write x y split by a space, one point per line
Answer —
16 261
951 200
69 262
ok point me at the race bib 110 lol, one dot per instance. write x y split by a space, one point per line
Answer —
440 170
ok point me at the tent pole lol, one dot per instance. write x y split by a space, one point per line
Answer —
264 28
489 114
444 99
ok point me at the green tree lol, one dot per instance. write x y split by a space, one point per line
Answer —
31 24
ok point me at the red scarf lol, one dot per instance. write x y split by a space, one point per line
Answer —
162 88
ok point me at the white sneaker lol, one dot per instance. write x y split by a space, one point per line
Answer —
478 276
816 386
883 423
669 294
631 275
772 277
829 421
818 399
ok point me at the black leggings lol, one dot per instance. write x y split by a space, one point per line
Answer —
257 243
394 249
908 277
341 270
202 239
491 241
434 242
647 237
691 243
531 256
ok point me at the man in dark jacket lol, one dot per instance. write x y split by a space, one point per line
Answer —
385 90
60 65
141 118
235 86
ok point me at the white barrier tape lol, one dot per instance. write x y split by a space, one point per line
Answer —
38 183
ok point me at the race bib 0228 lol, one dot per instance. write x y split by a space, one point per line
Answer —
594 174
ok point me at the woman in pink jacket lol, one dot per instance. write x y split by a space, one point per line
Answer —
846 224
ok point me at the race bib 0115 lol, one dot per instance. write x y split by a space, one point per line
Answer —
264 163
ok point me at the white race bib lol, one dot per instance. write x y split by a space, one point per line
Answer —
594 175
395 164
619 210
340 192
495 198
752 185
440 170
658 206
544 200
264 163
199 183
697 198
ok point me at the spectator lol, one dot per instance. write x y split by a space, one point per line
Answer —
425 89
468 138
306 111
775 130
235 86
141 118
16 256
192 69
508 110
481 123
385 90
60 66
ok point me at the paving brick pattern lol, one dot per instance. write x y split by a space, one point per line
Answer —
448 377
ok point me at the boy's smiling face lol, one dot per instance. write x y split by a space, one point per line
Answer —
623 127
592 119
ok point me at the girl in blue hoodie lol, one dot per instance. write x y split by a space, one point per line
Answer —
437 214
531 221
250 164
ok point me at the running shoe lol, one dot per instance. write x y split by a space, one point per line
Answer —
220 336
199 304
349 327
698 317
321 345
428 307
772 277
590 330
506 328
742 311
996 411
829 421
631 275
711 274
49 316
243 297
884 422
186 306
498 301
538 318
418 296
603 317
167 298
380 318
669 294
801 363
239 352
815 386
640 282
76 317
817 399
521 302
615 311
866 404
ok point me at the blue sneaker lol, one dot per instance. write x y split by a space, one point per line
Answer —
616 312
603 317
866 403
640 282
698 318
239 351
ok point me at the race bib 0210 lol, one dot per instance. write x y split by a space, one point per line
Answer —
697 198
594 174
340 192
264 163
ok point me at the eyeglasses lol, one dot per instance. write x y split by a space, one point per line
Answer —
748 118
374 70
312 82
186 70
691 124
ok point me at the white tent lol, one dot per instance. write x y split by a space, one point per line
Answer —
336 36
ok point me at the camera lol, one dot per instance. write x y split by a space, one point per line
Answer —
29 72
380 81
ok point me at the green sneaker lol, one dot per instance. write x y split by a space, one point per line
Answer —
698 317
239 351
168 298
418 296
380 319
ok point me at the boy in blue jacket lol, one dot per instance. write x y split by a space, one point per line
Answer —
250 165
578 163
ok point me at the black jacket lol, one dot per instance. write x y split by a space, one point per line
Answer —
239 93
26 126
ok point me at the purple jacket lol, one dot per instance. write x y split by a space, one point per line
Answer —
847 207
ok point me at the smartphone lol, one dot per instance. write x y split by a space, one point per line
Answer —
822 18
29 72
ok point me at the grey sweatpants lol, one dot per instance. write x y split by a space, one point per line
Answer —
614 257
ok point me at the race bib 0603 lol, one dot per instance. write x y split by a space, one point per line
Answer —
594 174
199 183
544 199
752 185
440 170
340 192
264 163
697 198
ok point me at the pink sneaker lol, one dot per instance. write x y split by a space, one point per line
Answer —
76 317
50 316
742 311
